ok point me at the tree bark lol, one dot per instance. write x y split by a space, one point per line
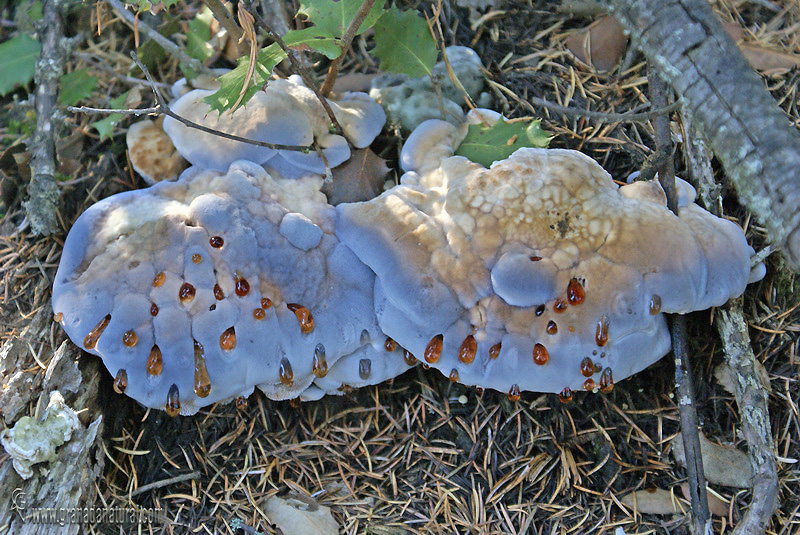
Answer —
750 135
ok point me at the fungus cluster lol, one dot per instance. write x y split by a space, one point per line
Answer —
536 274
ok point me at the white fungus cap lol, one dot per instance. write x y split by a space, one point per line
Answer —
539 273
285 113
198 290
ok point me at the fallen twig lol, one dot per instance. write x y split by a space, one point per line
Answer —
347 40
164 483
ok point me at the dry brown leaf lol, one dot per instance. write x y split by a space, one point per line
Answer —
653 501
359 179
716 506
300 515
723 465
768 61
722 373
601 44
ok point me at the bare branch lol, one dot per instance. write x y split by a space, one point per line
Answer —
347 40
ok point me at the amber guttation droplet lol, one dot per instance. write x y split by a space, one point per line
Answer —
91 339
216 242
295 403
606 381
57 317
320 365
560 306
494 351
219 295
425 366
655 304
153 309
121 381
540 354
587 367
588 384
266 302
364 337
154 361
241 403
303 316
242 287
186 293
390 345
364 368
598 367
575 292
410 359
202 382
540 310
129 338
173 406
197 258
454 377
466 353
159 279
552 327
535 258
433 351
513 393
601 334
227 340
259 314
285 372
565 396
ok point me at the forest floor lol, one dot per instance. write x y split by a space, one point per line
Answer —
420 454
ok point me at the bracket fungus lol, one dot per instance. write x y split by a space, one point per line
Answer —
198 290
285 113
538 273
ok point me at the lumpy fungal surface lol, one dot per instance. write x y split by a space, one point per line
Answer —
541 254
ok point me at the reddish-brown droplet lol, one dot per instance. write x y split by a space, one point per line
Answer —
129 338
479 390
57 317
425 366
409 359
154 361
466 353
320 364
186 292
587 367
91 339
588 384
606 381
598 367
389 345
121 381
227 340
295 403
494 351
304 317
219 295
241 286
540 310
560 306
259 314
655 304
364 368
575 292
197 258
433 351
601 333
153 309
285 372
202 382
173 406
159 279
241 403
266 302
216 242
552 327
565 396
454 377
535 258
513 393
540 354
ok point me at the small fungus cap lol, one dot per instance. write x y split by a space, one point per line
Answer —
152 153
539 273
198 290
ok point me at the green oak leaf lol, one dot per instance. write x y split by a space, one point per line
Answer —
488 144
334 16
18 60
105 127
75 86
198 34
403 43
